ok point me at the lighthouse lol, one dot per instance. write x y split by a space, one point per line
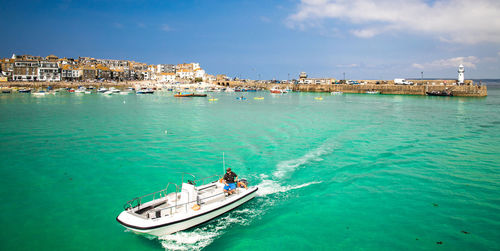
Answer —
461 77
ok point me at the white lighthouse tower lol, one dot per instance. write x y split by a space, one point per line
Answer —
461 77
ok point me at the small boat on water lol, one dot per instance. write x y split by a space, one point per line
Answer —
24 91
336 93
440 93
114 90
241 98
102 90
108 92
145 91
192 203
275 90
39 93
188 94
183 94
258 98
6 90
372 92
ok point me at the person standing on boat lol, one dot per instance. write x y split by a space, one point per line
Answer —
230 179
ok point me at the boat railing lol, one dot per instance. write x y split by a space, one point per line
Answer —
138 201
185 205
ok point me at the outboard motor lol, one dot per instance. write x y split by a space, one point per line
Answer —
244 181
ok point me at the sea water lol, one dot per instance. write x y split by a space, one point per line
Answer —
352 171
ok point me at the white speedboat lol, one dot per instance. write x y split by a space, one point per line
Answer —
108 92
102 90
161 213
372 92
80 91
336 93
39 93
114 90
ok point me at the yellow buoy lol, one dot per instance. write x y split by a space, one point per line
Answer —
258 98
318 98
212 99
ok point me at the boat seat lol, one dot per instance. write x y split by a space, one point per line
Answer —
142 210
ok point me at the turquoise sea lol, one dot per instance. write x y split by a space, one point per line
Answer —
349 172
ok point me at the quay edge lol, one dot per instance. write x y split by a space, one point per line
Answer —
385 87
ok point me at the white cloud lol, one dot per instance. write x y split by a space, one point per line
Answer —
165 27
469 61
457 21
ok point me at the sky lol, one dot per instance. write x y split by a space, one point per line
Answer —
267 39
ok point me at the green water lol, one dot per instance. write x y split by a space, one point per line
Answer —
355 171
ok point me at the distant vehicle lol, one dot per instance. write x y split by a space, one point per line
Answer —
402 81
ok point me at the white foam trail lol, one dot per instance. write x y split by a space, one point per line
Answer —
286 168
204 236
267 187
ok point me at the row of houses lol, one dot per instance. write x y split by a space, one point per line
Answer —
53 68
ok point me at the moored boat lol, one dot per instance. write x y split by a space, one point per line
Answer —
162 213
275 90
440 93
336 93
24 91
372 92
183 94
39 93
145 91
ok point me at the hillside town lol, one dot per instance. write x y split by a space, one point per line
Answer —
86 69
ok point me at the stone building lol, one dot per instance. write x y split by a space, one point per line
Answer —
26 70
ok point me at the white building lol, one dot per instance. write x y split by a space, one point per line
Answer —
69 72
199 73
168 68
185 74
461 76
49 71
166 77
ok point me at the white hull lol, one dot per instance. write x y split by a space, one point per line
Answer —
169 225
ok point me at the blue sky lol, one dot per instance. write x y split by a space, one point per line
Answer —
366 39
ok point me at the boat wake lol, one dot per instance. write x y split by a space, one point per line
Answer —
285 168
267 187
203 236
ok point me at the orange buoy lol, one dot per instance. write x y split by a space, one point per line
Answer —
196 207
